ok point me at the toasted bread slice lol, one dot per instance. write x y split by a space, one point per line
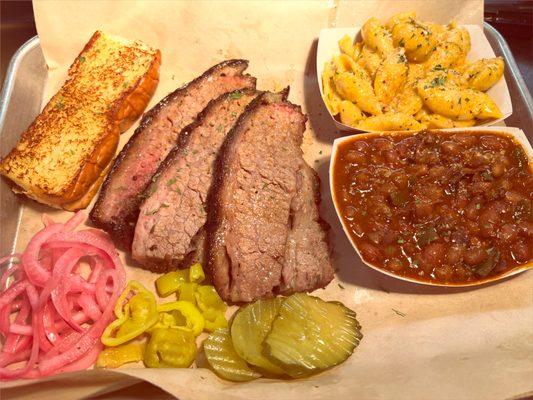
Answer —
62 158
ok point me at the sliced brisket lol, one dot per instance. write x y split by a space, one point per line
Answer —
171 218
264 233
117 207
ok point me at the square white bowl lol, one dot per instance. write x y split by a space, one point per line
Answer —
328 47
516 133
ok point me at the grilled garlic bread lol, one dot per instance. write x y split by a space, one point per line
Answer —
62 158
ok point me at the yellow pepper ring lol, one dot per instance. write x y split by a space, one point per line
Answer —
169 348
134 318
114 357
132 286
171 282
194 320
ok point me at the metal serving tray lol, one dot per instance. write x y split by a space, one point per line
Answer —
23 91
20 102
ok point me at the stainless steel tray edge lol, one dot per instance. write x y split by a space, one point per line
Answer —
20 102
522 116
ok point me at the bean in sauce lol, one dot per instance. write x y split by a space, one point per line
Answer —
439 207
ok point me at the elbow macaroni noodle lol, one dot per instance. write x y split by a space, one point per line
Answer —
409 75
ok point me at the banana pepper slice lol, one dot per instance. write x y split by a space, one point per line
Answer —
171 282
183 281
187 291
180 315
196 273
114 357
212 306
169 348
134 318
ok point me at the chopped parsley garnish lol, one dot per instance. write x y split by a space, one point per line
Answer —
164 205
148 193
220 128
438 81
487 176
171 181
82 59
401 58
152 212
235 95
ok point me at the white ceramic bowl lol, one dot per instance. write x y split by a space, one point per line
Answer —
328 47
514 132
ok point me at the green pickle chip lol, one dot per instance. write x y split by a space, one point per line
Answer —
223 358
310 335
249 328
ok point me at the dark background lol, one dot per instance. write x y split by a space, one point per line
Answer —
513 19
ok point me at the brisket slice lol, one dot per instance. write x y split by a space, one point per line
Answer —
117 206
171 218
264 233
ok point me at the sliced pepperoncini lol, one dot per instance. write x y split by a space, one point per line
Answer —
212 306
196 273
114 357
171 282
171 327
180 315
187 291
134 318
169 348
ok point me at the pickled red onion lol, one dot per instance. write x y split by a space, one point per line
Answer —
52 316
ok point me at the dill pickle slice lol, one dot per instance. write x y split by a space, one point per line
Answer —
222 357
310 335
249 328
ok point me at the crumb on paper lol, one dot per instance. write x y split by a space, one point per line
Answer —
342 287
401 314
